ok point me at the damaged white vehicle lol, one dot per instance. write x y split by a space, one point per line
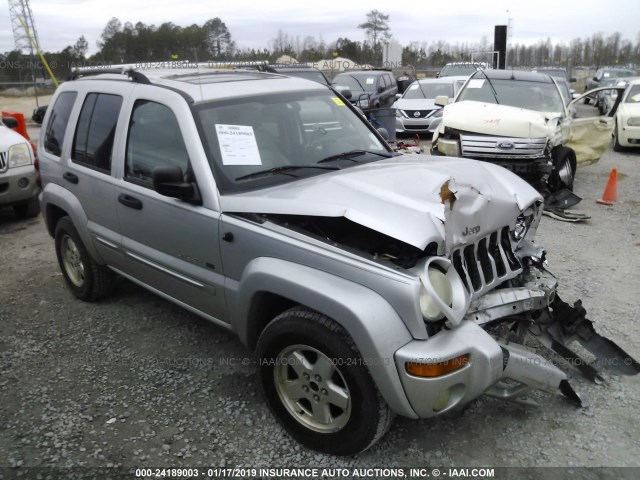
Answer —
518 120
367 283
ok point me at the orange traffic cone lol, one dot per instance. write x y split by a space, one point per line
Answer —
610 195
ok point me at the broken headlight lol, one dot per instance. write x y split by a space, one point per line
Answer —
442 292
523 223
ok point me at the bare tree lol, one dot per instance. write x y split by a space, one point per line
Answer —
376 28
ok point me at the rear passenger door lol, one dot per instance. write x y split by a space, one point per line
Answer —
170 245
88 173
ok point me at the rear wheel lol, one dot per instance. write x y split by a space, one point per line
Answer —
564 169
317 384
87 279
29 209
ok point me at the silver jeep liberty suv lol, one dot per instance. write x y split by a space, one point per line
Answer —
367 282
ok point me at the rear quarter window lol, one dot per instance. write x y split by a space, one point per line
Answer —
58 121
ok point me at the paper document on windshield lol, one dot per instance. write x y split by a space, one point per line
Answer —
238 145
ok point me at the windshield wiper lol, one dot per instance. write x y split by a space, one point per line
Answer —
493 90
284 169
354 153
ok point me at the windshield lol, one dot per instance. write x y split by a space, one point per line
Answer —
314 75
634 94
290 132
560 73
428 90
458 69
618 73
360 82
538 96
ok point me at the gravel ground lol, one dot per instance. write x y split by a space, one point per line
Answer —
134 381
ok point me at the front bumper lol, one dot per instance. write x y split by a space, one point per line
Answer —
488 360
410 125
432 396
18 185
629 136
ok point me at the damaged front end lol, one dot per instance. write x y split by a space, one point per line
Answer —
498 281
472 284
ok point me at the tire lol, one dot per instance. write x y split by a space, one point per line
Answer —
28 210
87 280
616 144
564 169
331 403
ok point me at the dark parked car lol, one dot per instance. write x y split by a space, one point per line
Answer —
38 114
299 71
369 88
602 74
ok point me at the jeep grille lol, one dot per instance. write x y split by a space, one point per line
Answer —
483 146
3 161
486 263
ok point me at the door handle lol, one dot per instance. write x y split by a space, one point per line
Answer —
129 201
70 177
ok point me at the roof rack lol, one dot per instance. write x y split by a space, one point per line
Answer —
134 75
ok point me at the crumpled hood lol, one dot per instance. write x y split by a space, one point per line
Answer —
417 199
500 120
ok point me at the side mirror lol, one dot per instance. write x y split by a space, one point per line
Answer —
346 93
595 79
380 89
398 95
10 122
441 100
169 181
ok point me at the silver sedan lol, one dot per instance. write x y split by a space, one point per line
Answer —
415 108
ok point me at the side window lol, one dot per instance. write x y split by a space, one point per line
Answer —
58 121
93 142
382 82
390 81
154 140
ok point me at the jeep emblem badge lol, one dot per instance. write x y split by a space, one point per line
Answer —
416 114
505 145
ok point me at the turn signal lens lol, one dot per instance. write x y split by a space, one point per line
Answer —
431 370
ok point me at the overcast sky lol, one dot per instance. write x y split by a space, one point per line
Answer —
255 24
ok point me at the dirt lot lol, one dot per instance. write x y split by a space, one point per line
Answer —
135 381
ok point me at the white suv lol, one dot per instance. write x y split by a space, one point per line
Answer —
18 176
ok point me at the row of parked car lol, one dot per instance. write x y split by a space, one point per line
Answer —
524 121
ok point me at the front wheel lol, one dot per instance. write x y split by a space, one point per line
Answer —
616 142
317 384
564 169
29 209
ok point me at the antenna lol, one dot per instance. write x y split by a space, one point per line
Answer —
509 35
21 10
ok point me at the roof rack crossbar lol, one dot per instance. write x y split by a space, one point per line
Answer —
74 75
134 75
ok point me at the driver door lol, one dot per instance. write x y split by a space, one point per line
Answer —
590 136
